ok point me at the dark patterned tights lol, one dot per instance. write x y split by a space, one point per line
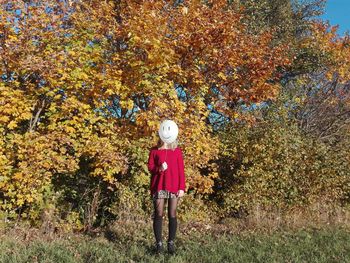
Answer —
158 218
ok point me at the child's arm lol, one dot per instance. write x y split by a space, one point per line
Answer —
180 161
151 165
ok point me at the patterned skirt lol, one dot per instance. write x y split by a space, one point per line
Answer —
163 194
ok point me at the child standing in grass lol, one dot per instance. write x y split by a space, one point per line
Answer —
166 166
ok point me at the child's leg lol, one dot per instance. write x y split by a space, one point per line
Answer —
158 218
172 204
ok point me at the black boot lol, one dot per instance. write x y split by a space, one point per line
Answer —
159 247
172 234
171 247
157 227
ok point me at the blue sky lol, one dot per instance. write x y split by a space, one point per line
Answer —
338 13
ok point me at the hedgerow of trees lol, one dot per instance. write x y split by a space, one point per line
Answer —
259 89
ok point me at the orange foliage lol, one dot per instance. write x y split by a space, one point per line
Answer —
94 79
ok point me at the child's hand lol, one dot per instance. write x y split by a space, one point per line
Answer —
164 166
180 193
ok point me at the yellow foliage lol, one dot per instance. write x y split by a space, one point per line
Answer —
88 98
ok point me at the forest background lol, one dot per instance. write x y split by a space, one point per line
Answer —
259 90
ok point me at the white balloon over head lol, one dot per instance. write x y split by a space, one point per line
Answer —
168 131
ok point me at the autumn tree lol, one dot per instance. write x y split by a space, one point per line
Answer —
85 85
321 98
296 152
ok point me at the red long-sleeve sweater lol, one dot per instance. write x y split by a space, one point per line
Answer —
173 178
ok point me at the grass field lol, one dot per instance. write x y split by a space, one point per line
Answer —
312 245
